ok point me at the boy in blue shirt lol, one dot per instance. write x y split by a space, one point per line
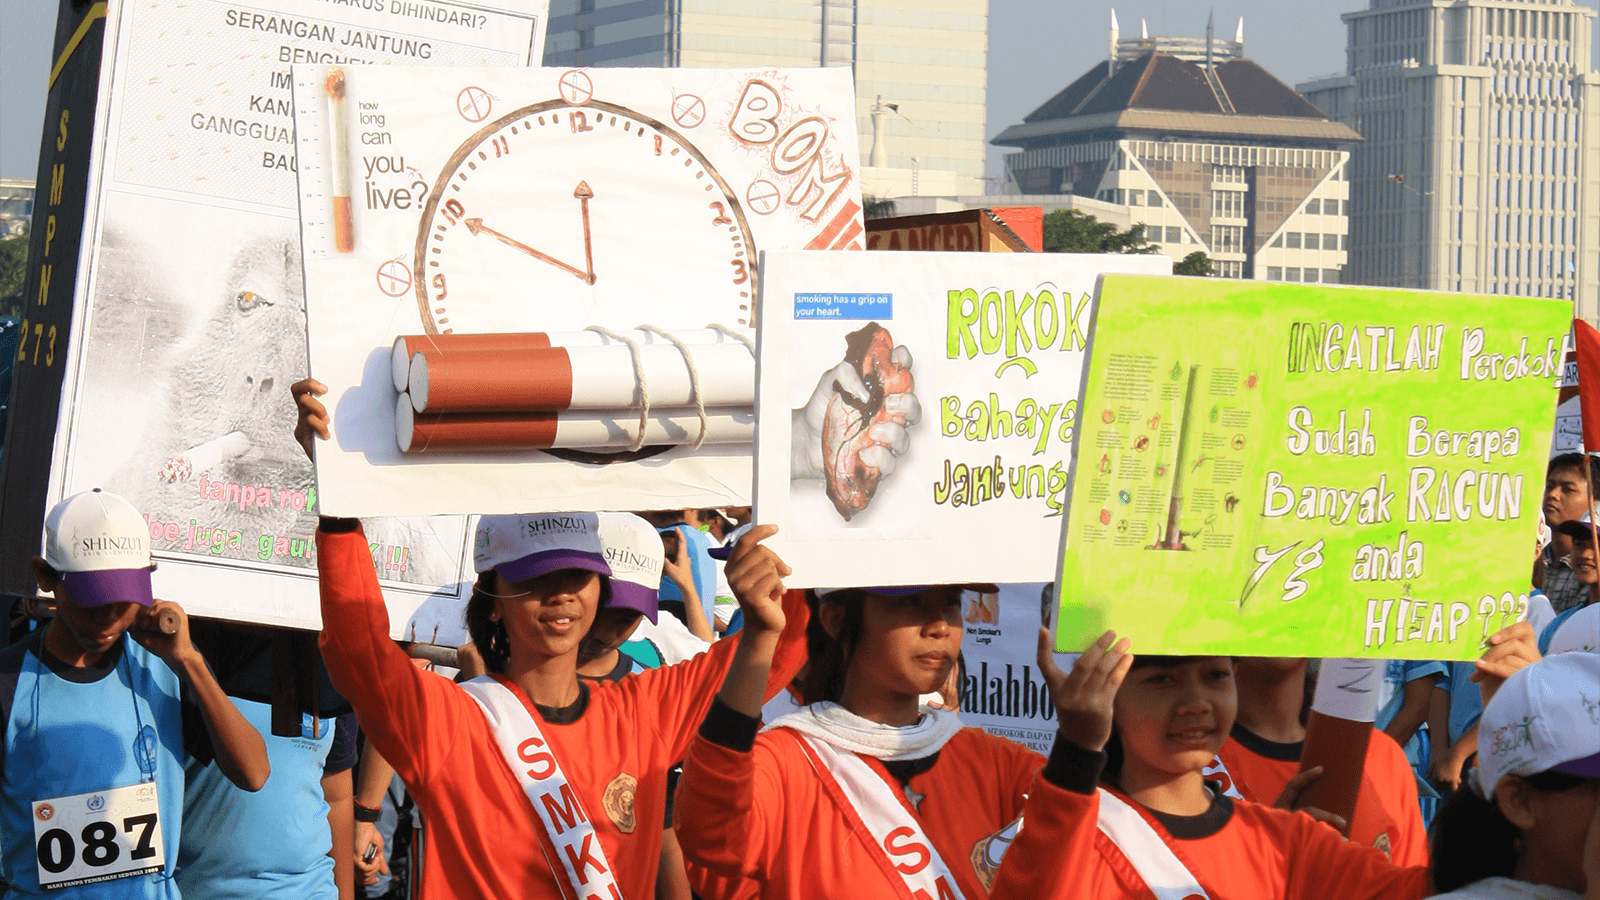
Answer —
91 778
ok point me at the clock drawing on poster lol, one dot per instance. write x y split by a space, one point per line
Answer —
555 265
519 203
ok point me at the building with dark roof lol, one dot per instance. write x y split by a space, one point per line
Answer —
1478 169
1206 148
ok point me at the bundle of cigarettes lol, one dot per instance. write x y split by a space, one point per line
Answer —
578 390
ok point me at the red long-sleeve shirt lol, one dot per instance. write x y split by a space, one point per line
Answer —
1249 852
761 822
484 840
1387 814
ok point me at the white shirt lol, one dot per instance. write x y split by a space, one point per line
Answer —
1509 889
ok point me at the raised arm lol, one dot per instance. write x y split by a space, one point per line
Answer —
241 753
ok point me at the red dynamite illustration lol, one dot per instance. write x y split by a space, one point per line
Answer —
847 428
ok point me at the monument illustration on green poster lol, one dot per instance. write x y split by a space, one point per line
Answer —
1307 470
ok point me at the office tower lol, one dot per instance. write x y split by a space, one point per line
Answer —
1203 146
1479 127
927 59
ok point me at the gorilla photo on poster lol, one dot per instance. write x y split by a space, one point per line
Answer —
196 332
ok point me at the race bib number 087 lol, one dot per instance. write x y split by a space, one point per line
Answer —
98 836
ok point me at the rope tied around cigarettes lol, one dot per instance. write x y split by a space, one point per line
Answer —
736 335
694 380
638 376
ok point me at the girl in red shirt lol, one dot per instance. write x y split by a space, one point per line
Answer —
863 793
1121 809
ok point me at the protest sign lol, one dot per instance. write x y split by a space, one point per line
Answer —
948 460
1298 470
1002 691
187 321
567 257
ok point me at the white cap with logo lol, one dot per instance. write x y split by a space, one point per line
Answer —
635 553
1546 717
1580 632
527 546
101 547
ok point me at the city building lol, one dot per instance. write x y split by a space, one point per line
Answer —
16 206
923 64
1480 123
1204 147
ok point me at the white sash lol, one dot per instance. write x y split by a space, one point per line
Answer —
517 734
1166 875
895 832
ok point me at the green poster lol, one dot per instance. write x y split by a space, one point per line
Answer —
1304 470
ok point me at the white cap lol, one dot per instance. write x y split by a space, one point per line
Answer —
1545 717
523 547
101 546
1581 632
635 554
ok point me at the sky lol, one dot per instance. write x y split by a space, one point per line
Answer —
1036 48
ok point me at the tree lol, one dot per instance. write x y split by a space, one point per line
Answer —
1072 231
1196 263
13 266
877 207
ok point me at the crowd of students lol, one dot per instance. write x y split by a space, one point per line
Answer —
819 754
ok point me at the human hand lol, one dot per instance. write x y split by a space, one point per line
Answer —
889 439
1290 796
1444 770
1510 649
313 418
1083 697
172 646
469 664
678 568
756 573
367 872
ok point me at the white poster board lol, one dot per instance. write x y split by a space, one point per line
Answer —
191 319
486 202
1002 691
996 344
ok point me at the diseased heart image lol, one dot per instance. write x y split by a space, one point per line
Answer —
847 429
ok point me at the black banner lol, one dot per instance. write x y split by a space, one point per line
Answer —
46 307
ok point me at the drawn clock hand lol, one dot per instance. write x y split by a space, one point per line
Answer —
583 193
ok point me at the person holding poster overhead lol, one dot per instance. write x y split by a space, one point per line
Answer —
1122 808
862 793
533 783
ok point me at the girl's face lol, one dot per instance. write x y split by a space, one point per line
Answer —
1173 720
1584 561
909 645
547 616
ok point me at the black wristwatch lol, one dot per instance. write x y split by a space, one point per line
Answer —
367 813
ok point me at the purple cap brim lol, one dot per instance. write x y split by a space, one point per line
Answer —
109 586
1587 767
637 597
535 564
720 553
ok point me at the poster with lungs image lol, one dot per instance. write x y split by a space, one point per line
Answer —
535 291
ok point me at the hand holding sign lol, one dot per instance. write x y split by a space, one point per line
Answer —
1084 697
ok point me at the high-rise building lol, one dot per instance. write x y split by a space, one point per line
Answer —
925 61
1203 147
1479 119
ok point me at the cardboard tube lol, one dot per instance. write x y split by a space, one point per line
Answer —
1338 731
435 345
407 346
588 378
426 433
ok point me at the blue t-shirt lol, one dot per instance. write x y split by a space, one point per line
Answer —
274 842
700 563
1549 632
74 730
1466 701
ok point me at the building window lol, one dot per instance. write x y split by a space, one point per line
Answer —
1331 242
1330 276
1228 174
1274 273
1291 274
1314 207
1227 204
1277 241
1313 241
1292 239
1227 238
1174 234
1153 198
585 38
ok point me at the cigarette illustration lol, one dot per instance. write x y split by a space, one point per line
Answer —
344 237
428 433
1187 439
205 456
590 378
407 346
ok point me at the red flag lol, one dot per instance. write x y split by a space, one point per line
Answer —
1588 347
